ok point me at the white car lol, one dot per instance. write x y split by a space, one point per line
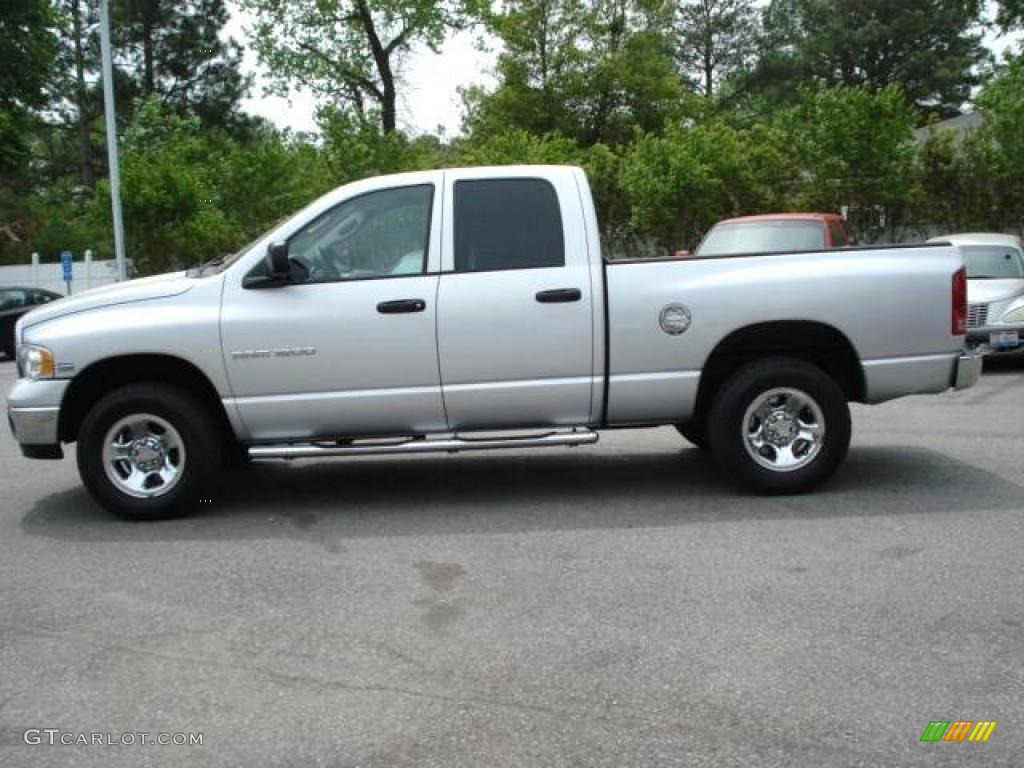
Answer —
995 290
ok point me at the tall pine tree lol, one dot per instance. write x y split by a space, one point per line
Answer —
930 48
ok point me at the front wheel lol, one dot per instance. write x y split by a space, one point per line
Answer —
147 451
779 426
695 431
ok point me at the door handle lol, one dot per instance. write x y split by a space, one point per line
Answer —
559 295
401 305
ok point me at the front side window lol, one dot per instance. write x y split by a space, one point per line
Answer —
379 234
507 224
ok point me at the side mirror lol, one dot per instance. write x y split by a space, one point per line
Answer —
278 264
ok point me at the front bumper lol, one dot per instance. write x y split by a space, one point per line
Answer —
33 412
968 369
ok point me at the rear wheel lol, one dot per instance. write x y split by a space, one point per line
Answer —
147 451
780 425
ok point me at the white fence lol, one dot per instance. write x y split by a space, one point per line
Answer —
85 273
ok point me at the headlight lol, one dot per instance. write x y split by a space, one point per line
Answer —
35 362
1015 316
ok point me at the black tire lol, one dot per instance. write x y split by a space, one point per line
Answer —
199 433
727 433
696 431
236 455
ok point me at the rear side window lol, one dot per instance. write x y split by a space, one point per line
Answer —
507 224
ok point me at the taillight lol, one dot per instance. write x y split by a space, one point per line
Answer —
959 297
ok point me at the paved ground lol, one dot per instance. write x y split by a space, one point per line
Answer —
608 606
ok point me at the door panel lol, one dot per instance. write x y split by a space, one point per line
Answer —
353 350
515 325
368 373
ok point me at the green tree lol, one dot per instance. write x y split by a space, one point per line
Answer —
716 40
29 45
173 213
590 70
348 52
957 184
174 50
856 149
1002 104
1011 14
681 183
930 48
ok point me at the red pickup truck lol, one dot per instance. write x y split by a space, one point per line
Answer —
776 232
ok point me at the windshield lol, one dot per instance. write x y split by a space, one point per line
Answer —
763 236
993 262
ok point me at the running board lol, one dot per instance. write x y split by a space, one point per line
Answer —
421 445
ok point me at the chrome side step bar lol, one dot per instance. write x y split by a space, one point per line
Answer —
453 444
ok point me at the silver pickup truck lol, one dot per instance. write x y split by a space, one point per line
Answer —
472 309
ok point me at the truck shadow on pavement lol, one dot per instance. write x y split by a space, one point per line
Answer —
334 501
1004 366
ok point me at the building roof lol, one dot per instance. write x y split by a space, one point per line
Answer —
961 125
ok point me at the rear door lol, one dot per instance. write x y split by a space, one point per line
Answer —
515 302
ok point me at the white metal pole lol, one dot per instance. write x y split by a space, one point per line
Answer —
108 111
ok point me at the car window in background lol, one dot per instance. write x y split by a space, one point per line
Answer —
838 233
763 237
11 299
993 262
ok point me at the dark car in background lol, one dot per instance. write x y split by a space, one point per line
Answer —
15 302
772 232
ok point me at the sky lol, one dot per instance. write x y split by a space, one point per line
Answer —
428 95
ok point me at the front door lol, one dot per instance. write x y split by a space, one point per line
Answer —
515 307
349 346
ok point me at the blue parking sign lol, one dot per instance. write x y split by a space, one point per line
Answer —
65 262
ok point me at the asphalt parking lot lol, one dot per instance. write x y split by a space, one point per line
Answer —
615 605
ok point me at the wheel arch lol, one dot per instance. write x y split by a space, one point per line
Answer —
99 378
817 343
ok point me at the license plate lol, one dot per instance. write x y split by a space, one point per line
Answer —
1003 339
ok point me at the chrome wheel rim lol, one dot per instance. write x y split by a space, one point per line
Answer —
783 429
143 456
